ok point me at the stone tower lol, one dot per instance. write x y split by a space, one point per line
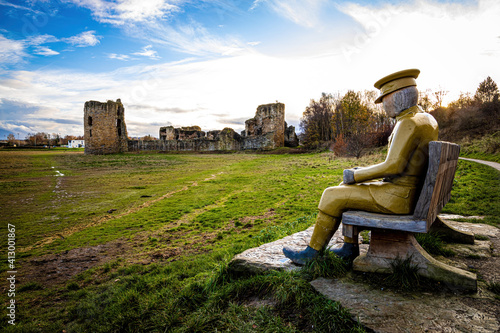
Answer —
104 127
267 129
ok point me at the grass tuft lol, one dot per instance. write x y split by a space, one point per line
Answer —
404 274
481 237
72 286
326 265
494 287
432 243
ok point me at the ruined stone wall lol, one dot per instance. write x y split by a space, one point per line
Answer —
190 139
183 133
105 131
267 129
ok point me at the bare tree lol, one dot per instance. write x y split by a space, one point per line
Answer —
424 100
439 96
12 139
316 121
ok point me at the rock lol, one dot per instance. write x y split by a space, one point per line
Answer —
475 228
388 311
455 216
480 249
270 256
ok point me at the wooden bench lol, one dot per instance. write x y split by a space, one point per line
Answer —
392 236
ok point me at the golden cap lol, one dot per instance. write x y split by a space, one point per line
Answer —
396 81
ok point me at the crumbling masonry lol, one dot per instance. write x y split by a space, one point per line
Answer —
105 132
104 127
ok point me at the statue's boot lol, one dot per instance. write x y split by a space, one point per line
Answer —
349 250
300 257
324 229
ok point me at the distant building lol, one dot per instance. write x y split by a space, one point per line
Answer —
76 144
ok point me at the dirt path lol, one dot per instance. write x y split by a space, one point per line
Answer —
491 164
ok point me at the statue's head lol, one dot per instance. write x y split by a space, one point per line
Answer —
398 91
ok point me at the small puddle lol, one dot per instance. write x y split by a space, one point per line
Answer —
58 183
58 173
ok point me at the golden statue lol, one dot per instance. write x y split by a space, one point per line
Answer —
402 171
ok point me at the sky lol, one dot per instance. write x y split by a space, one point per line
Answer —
212 62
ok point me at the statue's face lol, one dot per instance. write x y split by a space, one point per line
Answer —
389 105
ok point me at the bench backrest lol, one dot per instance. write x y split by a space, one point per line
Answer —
436 191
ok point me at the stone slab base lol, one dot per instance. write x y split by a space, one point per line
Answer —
387 311
270 256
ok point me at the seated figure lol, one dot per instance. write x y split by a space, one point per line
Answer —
402 171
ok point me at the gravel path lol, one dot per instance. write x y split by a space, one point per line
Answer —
491 164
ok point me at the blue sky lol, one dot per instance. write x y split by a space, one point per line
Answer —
211 63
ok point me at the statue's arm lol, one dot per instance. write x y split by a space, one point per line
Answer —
404 142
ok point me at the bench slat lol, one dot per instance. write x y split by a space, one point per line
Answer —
384 221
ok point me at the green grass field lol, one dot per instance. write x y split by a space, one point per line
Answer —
141 242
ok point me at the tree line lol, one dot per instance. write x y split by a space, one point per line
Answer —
42 139
349 123
346 124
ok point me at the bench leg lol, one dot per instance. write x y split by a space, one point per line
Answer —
451 234
387 245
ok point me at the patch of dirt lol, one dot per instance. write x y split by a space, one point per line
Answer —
247 221
483 305
487 269
54 269
258 302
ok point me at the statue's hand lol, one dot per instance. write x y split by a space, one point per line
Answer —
349 176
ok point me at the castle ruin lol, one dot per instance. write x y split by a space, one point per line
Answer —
267 129
105 131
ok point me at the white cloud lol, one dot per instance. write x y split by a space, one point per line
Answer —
84 39
45 51
40 39
256 4
126 11
8 4
147 51
11 51
192 38
122 57
302 12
